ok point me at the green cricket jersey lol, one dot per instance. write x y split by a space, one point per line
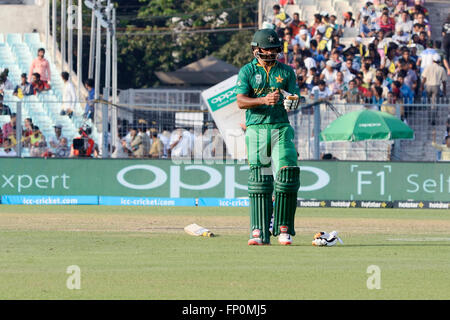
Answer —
254 81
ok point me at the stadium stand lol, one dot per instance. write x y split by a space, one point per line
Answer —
16 54
418 114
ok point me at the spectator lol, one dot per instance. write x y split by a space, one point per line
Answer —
407 93
165 140
309 61
422 21
336 59
5 84
333 23
368 72
444 148
137 144
446 38
432 78
367 10
296 24
339 86
317 22
39 85
4 109
37 143
156 149
405 23
24 88
310 78
89 109
289 44
348 21
400 37
83 146
41 66
69 97
146 142
386 24
423 39
62 150
388 105
121 151
55 140
365 29
329 73
348 70
303 39
377 98
27 132
281 20
352 94
8 150
180 144
321 91
417 29
401 7
9 129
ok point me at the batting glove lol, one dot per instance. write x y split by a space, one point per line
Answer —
324 239
291 103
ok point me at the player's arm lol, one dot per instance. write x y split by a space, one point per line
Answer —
246 102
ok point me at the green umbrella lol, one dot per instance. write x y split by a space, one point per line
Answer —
366 125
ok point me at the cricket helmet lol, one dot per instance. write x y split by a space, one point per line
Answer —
266 39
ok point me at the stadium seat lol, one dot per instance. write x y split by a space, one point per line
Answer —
12 38
32 38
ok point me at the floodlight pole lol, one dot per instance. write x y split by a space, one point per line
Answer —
105 116
63 34
108 53
80 47
98 57
70 36
114 130
47 22
53 31
92 47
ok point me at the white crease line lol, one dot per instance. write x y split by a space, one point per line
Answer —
419 239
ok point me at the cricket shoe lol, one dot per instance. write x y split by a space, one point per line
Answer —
256 239
284 238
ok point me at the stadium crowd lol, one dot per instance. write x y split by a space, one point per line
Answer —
391 59
36 82
139 141
381 56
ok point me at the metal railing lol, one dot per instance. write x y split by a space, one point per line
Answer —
427 119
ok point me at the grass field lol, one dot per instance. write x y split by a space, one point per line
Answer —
143 253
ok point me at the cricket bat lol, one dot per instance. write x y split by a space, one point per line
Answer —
198 231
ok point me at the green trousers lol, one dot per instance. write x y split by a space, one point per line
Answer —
271 146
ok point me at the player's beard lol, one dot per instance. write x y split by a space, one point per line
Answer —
265 59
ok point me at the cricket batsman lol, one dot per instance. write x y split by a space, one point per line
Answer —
267 89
